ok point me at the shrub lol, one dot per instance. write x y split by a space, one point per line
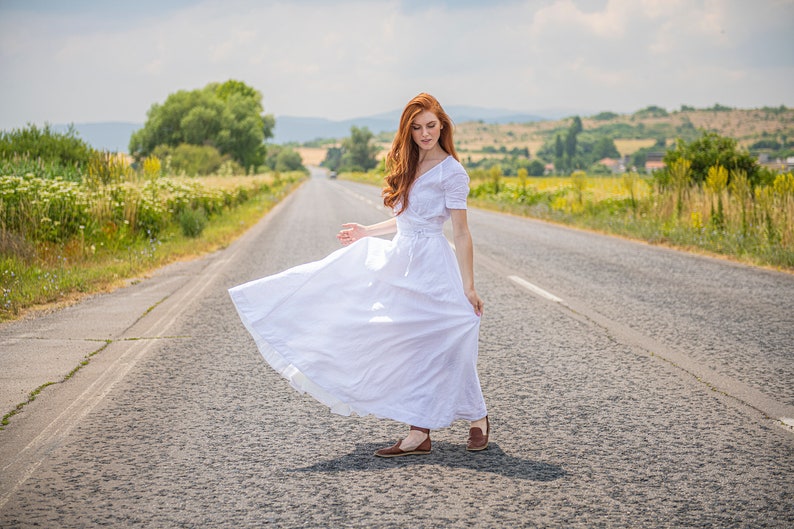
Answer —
191 160
52 147
193 222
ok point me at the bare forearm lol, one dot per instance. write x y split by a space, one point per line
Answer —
382 228
464 251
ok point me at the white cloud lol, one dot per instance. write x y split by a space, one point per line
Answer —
112 61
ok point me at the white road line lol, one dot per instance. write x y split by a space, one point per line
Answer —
360 197
535 289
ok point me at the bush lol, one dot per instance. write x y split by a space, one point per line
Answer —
45 144
191 160
193 222
712 149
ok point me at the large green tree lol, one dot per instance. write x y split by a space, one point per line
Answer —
712 149
357 152
228 116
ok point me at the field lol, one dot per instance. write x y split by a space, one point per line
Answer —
61 239
750 225
630 132
312 155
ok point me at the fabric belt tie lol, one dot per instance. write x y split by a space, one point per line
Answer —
420 233
414 233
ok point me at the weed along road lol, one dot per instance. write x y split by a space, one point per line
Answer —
628 386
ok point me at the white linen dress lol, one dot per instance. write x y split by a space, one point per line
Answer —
379 327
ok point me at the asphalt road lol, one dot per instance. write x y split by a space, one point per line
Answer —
628 386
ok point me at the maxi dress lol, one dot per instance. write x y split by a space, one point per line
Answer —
379 327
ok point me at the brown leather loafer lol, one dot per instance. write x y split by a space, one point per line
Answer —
396 451
478 441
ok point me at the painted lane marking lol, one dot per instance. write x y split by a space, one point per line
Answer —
359 196
535 289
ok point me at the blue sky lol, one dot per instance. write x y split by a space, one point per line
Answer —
91 61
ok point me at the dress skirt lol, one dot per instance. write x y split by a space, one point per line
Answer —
378 327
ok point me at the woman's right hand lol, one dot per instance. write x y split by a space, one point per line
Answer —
350 233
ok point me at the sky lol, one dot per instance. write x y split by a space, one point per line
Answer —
86 61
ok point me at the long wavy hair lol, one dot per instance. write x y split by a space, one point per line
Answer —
402 161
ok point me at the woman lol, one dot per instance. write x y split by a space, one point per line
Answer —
387 328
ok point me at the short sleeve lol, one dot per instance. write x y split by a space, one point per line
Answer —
456 187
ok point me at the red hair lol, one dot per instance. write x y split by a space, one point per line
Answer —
402 161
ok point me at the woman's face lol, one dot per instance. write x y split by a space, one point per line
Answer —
425 130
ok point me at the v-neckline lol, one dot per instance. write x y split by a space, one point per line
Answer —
439 163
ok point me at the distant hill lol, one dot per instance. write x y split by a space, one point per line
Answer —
478 127
300 129
641 128
113 136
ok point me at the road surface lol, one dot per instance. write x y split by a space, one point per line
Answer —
628 386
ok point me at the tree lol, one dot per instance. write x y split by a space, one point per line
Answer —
559 148
192 160
569 160
604 147
289 160
576 125
283 159
536 168
228 116
333 158
710 150
357 153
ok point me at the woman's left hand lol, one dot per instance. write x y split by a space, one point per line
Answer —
475 301
351 232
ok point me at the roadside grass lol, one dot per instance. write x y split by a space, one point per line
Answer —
754 226
43 274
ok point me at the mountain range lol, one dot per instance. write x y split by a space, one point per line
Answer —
114 136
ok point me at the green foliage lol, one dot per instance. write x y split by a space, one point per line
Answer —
333 159
719 108
604 147
59 237
44 143
357 152
536 168
782 109
105 168
228 117
577 149
41 151
605 116
284 159
752 224
709 150
192 222
510 165
193 160
651 111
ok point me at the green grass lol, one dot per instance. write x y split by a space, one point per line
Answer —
758 230
38 275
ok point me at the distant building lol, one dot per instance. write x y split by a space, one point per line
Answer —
548 169
775 164
654 162
615 166
651 166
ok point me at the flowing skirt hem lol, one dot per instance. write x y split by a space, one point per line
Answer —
303 384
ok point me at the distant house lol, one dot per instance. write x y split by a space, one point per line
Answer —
615 166
654 162
775 164
651 166
548 169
